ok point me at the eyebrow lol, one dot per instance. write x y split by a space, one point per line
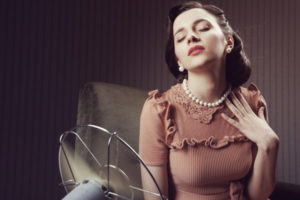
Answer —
195 22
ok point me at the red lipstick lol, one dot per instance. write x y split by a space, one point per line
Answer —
195 50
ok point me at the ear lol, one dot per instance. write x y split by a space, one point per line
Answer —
178 63
230 41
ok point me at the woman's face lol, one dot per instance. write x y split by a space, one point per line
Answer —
198 27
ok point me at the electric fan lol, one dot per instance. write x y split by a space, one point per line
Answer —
106 169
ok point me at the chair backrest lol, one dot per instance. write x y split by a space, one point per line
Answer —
114 107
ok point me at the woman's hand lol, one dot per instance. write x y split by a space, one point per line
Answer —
252 126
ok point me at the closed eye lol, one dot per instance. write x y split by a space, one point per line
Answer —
180 39
204 29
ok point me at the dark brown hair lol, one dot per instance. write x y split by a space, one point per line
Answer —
238 68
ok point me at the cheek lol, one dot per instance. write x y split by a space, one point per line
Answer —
216 42
179 51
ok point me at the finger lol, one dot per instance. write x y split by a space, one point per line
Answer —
245 103
233 109
230 121
238 104
261 113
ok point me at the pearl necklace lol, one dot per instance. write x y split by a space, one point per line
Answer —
203 103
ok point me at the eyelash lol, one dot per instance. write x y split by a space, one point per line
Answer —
204 29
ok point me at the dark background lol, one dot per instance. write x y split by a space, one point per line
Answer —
50 48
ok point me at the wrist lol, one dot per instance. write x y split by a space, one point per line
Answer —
269 142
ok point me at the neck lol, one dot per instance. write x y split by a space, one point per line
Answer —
207 85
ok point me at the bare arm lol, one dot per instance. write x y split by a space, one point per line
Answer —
161 177
257 129
262 180
152 147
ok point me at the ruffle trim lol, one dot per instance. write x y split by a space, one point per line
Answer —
156 97
211 142
165 110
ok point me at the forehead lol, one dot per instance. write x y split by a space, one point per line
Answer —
188 17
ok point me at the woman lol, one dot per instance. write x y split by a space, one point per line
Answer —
207 137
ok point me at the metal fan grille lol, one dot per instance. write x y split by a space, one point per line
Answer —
111 165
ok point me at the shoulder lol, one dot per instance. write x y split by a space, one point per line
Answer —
157 100
252 90
254 97
252 94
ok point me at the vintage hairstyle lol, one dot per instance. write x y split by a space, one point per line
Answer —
238 68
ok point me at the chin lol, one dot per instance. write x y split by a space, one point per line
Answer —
199 65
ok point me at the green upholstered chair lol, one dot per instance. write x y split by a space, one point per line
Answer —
114 107
117 108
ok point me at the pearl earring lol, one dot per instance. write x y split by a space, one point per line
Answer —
230 46
181 69
228 49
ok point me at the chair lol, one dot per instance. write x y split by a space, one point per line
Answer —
117 108
286 191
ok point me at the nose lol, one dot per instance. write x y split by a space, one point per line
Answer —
193 38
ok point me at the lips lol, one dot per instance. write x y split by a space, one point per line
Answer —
195 50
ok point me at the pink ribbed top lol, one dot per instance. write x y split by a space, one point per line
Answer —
208 159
